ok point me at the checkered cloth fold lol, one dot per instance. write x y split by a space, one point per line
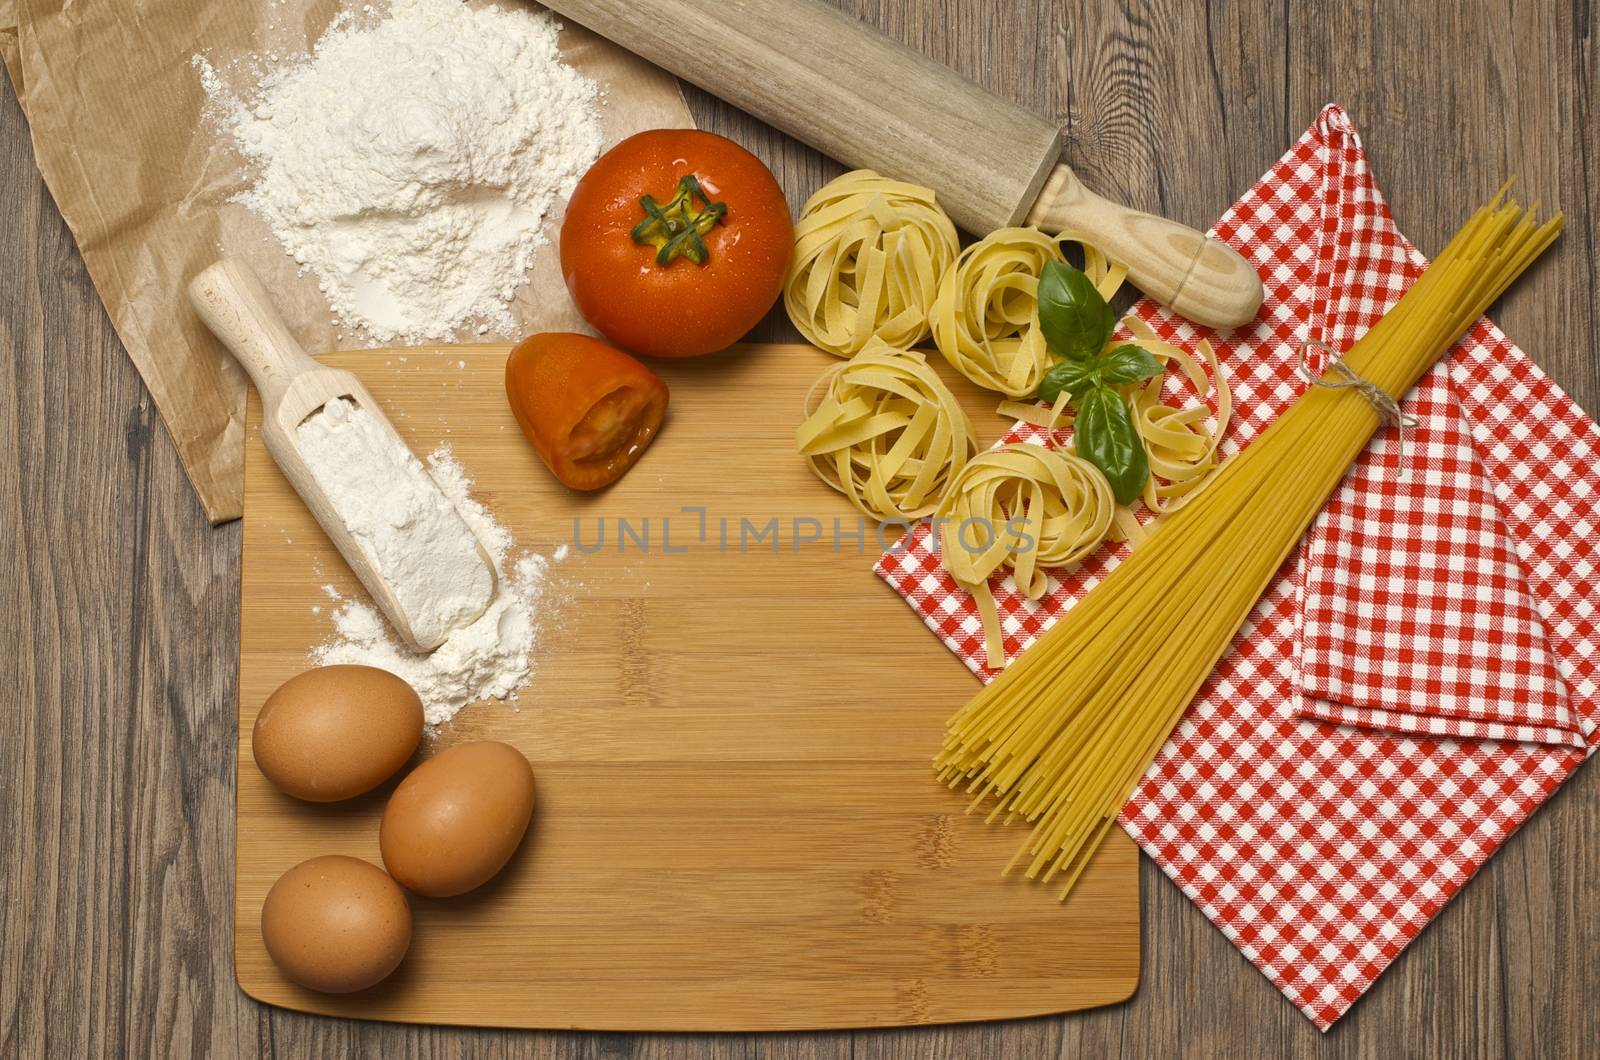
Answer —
1423 673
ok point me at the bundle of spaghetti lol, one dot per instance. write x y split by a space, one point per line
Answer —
886 432
1061 739
986 315
1022 507
868 255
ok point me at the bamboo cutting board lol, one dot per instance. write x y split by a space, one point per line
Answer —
737 827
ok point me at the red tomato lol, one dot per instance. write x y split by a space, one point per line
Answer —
676 242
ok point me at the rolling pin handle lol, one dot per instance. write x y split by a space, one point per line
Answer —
1197 277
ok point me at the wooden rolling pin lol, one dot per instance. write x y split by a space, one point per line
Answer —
827 79
234 305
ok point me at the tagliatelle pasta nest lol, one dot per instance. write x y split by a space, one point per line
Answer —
1023 507
986 315
886 432
868 256
1181 445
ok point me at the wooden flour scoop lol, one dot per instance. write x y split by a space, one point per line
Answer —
293 387
825 78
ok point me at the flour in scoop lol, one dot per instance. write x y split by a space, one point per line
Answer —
489 659
414 537
408 164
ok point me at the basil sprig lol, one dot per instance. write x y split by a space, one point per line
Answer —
1077 325
1125 364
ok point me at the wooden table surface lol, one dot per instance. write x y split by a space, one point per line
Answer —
118 621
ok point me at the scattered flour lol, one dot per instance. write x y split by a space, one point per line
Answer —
416 539
488 659
409 163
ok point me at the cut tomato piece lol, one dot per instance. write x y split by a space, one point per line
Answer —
588 409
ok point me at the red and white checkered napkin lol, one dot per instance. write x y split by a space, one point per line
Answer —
1424 672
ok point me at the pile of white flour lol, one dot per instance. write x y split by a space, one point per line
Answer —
409 164
419 543
489 658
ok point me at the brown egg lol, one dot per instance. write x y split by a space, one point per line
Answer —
457 819
336 732
336 924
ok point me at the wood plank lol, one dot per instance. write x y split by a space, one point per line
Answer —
116 748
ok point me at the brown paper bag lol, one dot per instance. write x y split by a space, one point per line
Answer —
115 111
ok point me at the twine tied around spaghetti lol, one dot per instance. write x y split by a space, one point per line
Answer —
1384 403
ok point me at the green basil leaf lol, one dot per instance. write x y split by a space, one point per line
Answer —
1128 364
1075 320
1075 377
1105 436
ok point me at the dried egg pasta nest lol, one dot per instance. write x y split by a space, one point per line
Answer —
886 432
1021 507
868 256
986 315
1182 445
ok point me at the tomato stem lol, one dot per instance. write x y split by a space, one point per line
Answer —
678 227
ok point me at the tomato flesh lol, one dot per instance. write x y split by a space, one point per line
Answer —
615 430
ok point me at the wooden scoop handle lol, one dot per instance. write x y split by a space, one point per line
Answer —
235 306
238 310
1194 275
